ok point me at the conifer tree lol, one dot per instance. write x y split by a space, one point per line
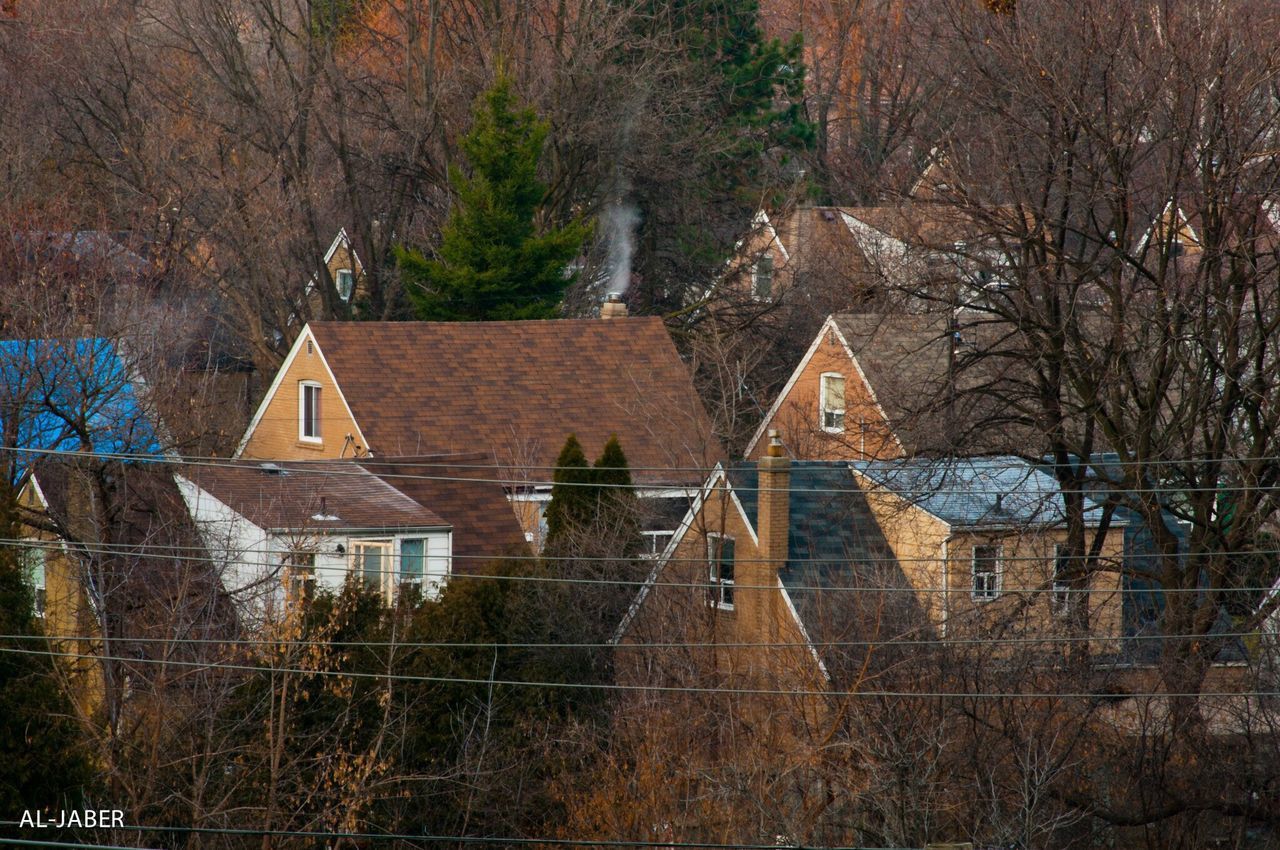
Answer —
573 499
492 262
616 502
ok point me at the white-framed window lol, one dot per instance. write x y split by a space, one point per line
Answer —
655 542
1061 599
300 575
309 411
986 572
33 560
762 278
720 571
424 563
831 402
371 563
345 280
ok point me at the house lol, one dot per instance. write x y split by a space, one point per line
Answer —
344 266
840 258
790 572
884 385
513 391
284 529
131 600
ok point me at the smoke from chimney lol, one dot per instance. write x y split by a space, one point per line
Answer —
620 220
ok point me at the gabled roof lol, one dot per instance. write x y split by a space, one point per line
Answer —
73 395
149 575
997 491
465 491
313 496
939 379
516 390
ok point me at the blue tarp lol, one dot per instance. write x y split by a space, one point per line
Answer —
70 395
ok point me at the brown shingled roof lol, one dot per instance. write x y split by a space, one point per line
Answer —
516 390
462 489
320 496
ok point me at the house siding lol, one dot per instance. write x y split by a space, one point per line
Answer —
275 434
866 435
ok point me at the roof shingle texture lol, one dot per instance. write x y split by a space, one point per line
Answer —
516 390
319 496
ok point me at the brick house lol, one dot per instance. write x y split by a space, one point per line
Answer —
512 391
782 567
884 385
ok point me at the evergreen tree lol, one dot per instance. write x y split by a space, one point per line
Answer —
573 499
42 761
492 261
616 500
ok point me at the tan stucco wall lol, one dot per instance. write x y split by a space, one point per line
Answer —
276 437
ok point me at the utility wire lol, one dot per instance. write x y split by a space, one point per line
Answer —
620 687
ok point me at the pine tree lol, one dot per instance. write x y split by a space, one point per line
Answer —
492 261
573 498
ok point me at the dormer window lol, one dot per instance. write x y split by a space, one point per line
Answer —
762 278
309 411
831 402
346 282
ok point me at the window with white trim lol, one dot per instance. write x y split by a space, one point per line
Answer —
1062 597
986 572
720 570
345 280
762 278
655 542
33 560
300 575
831 402
424 563
371 563
309 411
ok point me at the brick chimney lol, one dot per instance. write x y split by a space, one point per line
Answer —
757 616
613 308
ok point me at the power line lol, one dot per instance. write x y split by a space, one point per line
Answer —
705 644
620 687
464 839
907 469
165 553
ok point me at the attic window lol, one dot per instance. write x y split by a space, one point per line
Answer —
346 283
309 411
33 568
986 572
720 571
831 402
762 278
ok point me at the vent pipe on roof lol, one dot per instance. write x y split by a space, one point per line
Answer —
613 308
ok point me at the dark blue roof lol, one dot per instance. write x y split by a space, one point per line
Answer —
71 395
838 561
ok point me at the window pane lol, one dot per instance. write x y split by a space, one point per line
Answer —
371 563
726 559
412 556
833 392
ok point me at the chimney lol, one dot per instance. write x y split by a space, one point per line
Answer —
757 619
613 308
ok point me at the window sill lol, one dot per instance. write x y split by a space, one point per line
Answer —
309 444
977 598
827 430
